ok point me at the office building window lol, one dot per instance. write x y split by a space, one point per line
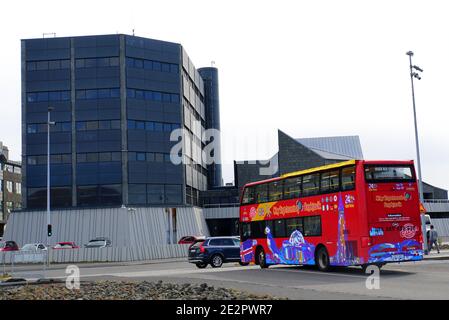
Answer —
54 159
98 125
152 126
18 188
91 94
149 157
97 62
42 127
152 65
104 195
45 96
48 65
99 157
152 95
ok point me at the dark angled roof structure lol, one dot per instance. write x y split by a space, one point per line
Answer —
299 154
344 147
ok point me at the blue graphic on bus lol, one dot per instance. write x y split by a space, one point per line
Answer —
408 250
294 251
374 232
346 250
246 250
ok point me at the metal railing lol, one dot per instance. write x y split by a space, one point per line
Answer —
16 258
222 205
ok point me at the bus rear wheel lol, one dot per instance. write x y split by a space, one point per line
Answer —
262 258
322 259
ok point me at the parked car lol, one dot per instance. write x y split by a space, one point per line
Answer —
8 246
98 243
34 247
191 240
66 245
215 251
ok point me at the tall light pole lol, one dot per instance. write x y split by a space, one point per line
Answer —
49 123
414 74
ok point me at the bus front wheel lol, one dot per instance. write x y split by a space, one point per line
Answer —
322 259
262 259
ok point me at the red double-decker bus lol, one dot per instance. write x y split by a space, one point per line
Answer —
351 213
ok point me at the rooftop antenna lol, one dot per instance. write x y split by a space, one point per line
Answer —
133 33
49 34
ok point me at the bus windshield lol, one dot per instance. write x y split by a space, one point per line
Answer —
385 173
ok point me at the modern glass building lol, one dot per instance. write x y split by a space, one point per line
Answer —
116 100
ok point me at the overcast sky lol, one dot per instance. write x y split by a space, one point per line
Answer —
309 68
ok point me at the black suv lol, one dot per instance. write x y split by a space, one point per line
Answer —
215 251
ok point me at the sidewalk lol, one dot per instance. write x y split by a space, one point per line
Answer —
434 255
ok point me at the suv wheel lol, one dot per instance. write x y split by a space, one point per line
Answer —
216 261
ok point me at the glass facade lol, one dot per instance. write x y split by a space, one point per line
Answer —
116 99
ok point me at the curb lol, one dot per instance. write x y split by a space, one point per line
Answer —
436 258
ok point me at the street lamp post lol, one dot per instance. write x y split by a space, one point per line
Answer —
49 123
414 74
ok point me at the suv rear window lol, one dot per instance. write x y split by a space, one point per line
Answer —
197 244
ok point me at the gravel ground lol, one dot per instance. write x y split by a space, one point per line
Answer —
115 290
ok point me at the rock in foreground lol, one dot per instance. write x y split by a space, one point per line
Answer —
115 290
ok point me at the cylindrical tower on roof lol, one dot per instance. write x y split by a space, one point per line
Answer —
212 109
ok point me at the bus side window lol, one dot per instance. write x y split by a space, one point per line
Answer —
292 188
275 190
330 181
280 230
248 195
348 178
261 193
310 184
245 231
258 228
294 224
312 226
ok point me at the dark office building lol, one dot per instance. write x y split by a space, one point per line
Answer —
116 99
10 186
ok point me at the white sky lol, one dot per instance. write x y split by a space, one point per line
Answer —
309 68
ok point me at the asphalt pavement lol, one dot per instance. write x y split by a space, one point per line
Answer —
428 279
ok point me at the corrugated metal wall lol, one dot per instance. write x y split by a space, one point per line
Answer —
436 206
221 213
136 233
442 227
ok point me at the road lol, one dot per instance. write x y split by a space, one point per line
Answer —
427 279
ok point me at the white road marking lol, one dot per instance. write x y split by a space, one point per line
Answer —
156 273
